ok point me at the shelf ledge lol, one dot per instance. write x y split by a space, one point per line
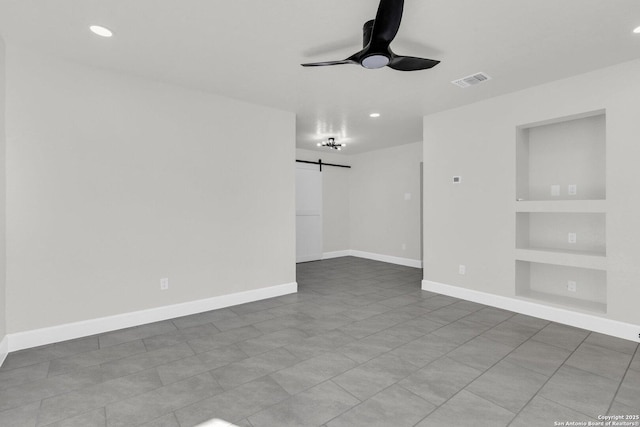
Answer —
569 206
563 258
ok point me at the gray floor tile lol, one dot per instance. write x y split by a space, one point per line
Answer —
507 385
235 404
562 336
447 314
272 341
198 319
510 333
284 322
315 345
425 350
309 408
629 393
580 390
539 357
313 371
96 418
618 408
635 363
246 370
18 376
480 353
154 404
437 302
135 333
23 416
142 361
49 352
375 375
490 316
223 339
612 343
467 409
71 404
393 406
178 336
523 319
202 362
461 331
37 390
440 380
95 357
243 320
168 420
543 412
599 360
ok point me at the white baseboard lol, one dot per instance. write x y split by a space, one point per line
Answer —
38 337
587 321
336 254
4 349
415 263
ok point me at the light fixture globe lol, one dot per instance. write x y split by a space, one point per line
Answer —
375 61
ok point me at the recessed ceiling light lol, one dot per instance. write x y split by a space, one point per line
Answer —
636 30
374 115
101 31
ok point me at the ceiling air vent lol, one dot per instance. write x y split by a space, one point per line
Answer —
472 80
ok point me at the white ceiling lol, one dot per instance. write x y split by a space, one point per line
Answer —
251 50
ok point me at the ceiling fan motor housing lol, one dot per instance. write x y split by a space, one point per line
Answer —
376 58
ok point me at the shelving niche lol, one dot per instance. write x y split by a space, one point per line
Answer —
561 189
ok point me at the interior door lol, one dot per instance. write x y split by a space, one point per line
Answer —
308 212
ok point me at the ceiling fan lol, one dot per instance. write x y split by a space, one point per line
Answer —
377 36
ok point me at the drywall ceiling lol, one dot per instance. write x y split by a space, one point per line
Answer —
251 50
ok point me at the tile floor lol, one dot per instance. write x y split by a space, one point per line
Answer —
359 345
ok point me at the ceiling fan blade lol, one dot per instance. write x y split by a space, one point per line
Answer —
410 63
327 63
387 22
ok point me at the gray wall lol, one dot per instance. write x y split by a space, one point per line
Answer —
473 223
3 240
382 220
115 182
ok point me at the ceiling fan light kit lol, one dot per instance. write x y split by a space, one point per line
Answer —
331 143
377 36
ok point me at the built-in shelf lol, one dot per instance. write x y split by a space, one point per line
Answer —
590 307
562 206
596 261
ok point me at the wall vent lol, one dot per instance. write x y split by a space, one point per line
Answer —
472 80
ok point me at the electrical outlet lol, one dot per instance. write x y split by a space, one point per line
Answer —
164 283
572 238
572 286
555 190
407 196
462 269
572 189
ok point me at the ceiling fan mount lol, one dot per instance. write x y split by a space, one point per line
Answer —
377 35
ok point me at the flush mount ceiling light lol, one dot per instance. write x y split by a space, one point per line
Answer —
374 115
101 31
331 143
636 30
